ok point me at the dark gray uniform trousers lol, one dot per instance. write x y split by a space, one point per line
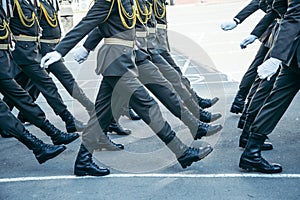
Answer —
174 78
9 123
65 77
163 90
40 78
285 89
251 73
263 89
114 93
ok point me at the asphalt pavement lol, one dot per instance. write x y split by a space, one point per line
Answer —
146 169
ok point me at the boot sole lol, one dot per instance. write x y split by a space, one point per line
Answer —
50 156
250 168
84 173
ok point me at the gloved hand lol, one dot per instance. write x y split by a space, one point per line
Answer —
226 26
268 68
81 54
248 40
50 58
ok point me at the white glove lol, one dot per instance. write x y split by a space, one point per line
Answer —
248 40
50 58
12 46
226 26
268 68
81 54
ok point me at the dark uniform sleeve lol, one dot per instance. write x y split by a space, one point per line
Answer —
248 10
95 16
287 42
93 39
275 11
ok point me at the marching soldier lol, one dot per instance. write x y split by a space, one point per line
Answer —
25 28
9 88
285 51
249 77
159 9
116 20
150 76
171 74
262 88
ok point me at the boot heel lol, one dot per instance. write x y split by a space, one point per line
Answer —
247 167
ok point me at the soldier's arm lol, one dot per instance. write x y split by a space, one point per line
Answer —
93 39
95 16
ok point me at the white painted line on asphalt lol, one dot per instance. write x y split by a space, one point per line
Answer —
251 175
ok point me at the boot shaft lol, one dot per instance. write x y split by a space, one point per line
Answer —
31 142
254 146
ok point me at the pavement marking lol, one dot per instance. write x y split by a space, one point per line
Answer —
252 175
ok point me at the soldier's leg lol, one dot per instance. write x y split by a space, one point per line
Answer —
47 87
13 126
174 78
247 80
24 103
257 101
135 94
60 71
65 77
285 89
203 103
150 76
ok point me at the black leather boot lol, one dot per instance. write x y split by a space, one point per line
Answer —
238 104
251 159
57 136
42 151
72 124
207 103
85 166
115 127
207 130
207 117
5 134
193 155
132 115
245 136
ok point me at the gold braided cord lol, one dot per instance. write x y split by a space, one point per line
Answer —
146 13
126 14
132 17
23 18
109 12
156 9
6 28
53 22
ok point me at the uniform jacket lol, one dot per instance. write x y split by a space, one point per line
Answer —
248 10
26 52
286 46
49 32
7 67
112 60
275 10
